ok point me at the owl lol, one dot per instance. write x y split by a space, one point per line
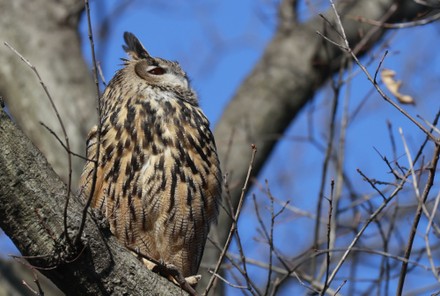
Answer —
158 178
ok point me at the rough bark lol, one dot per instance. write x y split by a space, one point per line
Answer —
294 65
45 33
32 198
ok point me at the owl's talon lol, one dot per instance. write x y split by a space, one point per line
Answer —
149 264
193 280
174 274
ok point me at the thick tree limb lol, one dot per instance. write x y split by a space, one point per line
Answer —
32 199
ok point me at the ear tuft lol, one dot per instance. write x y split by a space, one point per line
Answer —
134 47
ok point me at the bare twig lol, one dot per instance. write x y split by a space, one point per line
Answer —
324 170
431 125
298 274
271 287
95 169
40 291
428 229
410 24
362 230
243 271
228 282
329 229
340 287
61 142
234 222
373 184
271 237
411 166
66 138
380 65
429 183
251 286
101 74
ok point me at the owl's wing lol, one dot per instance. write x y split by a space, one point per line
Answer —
88 181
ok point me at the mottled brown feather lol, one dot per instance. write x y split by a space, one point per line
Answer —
159 179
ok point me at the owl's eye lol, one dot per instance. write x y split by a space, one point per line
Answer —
157 71
145 69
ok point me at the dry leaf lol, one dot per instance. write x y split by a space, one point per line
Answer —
393 86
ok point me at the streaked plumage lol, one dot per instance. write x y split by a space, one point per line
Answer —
159 179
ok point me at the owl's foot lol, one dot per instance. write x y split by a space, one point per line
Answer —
174 274
170 271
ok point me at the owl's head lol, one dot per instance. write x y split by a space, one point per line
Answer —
155 71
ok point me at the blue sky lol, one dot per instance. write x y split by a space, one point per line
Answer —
218 42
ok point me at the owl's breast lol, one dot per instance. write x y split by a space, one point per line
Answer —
166 157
